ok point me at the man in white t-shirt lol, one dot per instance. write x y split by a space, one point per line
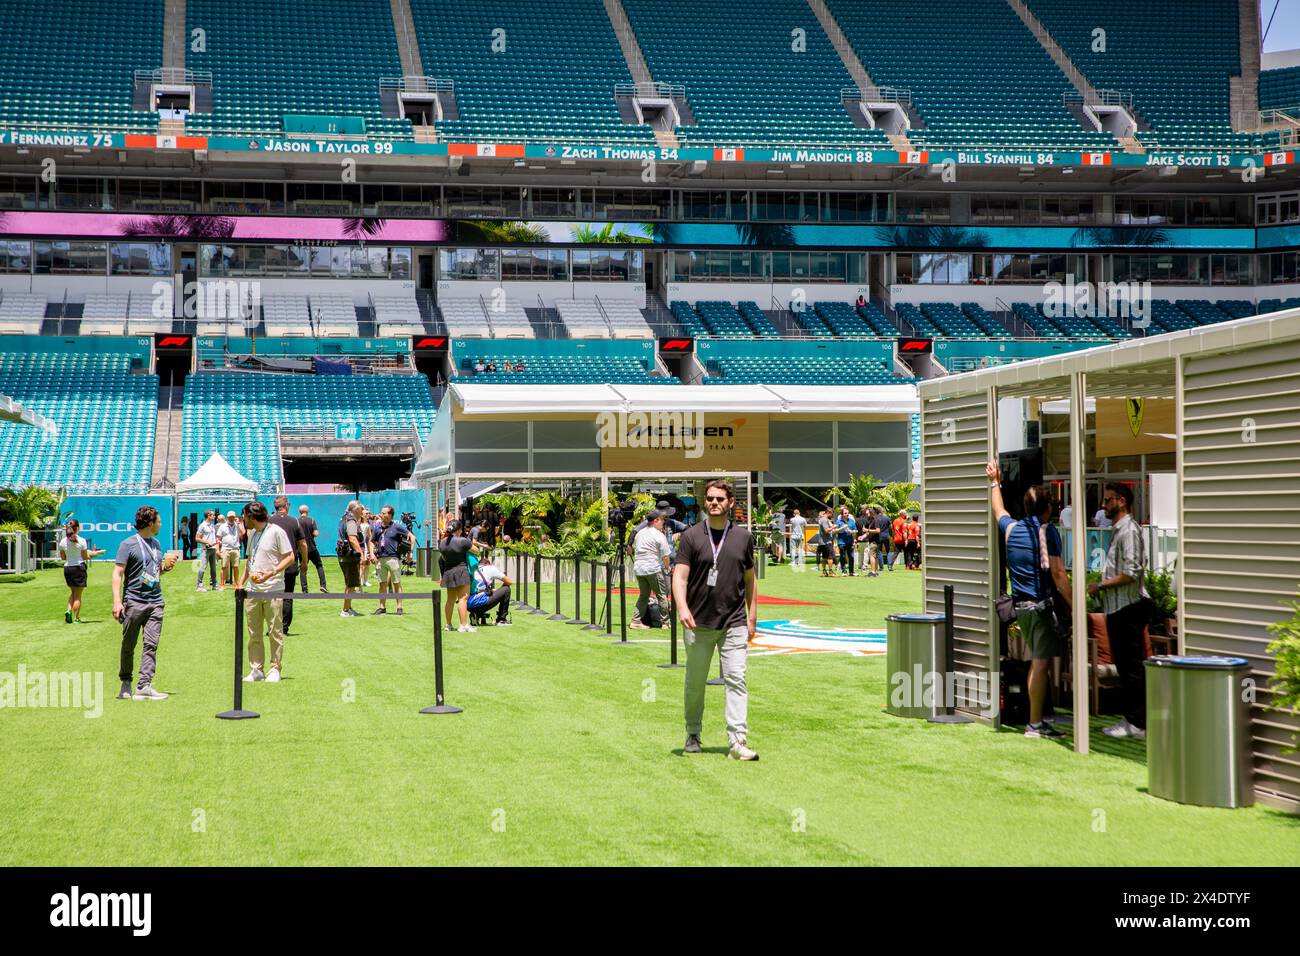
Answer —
797 523
270 553
651 557
206 537
490 588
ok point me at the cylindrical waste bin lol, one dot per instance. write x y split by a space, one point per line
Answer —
909 658
1198 731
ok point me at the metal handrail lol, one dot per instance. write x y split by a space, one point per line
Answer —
417 84
173 74
653 88
1099 98
882 94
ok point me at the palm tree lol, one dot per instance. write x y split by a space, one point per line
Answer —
524 233
606 236
857 493
895 497
33 507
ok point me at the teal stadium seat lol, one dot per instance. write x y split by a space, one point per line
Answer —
106 417
978 76
1279 89
268 58
236 413
1174 58
578 368
744 82
554 80
72 62
800 370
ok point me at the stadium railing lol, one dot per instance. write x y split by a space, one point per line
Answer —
17 553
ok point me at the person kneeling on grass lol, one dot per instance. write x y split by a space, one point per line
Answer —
489 594
270 553
138 602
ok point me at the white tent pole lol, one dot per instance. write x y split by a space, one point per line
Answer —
1079 560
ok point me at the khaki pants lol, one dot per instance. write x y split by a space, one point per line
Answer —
733 647
263 615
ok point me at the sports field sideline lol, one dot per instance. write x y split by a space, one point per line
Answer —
568 752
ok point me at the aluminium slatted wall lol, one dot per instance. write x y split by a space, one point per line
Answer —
956 529
1240 532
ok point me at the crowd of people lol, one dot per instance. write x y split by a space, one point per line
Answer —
260 551
490 365
845 545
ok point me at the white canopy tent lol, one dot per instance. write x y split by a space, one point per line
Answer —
216 474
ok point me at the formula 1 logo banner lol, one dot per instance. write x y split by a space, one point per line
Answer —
108 520
915 346
676 345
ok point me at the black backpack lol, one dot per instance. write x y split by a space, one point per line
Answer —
343 547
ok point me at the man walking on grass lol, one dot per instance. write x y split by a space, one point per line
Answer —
714 590
392 540
293 530
310 531
138 602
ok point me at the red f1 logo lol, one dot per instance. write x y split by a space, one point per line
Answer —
915 345
173 341
431 343
675 345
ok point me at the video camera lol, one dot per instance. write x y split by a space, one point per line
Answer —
621 514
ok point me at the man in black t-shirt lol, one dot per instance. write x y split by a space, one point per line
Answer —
294 531
309 532
714 590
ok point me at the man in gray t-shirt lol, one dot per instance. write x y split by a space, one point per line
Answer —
778 535
797 523
138 602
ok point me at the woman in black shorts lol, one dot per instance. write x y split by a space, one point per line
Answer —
75 552
454 549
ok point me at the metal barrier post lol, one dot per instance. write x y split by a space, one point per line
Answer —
537 585
558 615
593 624
440 705
237 711
577 593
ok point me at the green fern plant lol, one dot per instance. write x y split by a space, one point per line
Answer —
1285 648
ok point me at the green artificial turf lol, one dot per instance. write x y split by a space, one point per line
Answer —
568 752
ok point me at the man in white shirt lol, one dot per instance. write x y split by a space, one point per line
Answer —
797 523
490 589
270 553
206 536
228 543
651 557
1067 517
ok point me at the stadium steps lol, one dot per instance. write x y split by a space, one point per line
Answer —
861 78
1243 90
635 60
173 52
166 445
1071 70
408 47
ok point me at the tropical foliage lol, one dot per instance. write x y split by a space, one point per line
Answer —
892 498
32 507
1285 648
610 234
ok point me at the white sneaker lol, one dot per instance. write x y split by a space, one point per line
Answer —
273 675
740 750
1124 729
254 676
148 693
199 588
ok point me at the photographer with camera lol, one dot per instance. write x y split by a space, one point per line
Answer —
392 540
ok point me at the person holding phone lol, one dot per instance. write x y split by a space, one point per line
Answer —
138 601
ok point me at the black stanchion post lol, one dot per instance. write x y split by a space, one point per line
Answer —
558 615
537 585
622 602
577 593
237 712
518 590
672 636
944 711
609 597
440 705
593 624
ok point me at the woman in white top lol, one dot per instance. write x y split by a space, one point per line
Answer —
74 551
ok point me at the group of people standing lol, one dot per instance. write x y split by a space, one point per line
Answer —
845 545
1040 597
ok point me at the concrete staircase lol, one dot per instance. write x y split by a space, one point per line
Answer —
167 439
635 60
1244 89
408 47
861 79
175 37
1072 73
